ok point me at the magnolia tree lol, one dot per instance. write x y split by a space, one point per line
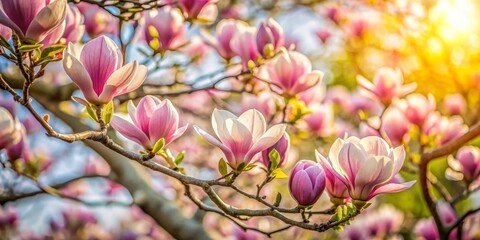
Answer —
201 119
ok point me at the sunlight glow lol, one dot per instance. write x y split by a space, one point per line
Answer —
455 20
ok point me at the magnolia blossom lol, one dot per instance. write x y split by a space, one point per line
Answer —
225 31
10 129
321 121
98 70
164 29
33 19
323 35
269 33
426 228
465 165
395 125
365 166
97 20
417 107
243 45
445 129
20 150
336 189
54 36
5 32
152 120
454 104
241 138
74 27
306 182
203 10
282 146
292 72
387 85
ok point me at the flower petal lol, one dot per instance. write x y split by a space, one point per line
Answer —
270 137
391 188
76 71
228 153
163 122
130 131
254 121
219 117
101 58
49 18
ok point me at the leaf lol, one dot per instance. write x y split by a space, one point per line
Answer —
179 158
278 199
182 171
91 113
278 173
52 50
108 113
5 43
158 145
249 167
241 166
274 157
222 167
81 101
339 213
29 48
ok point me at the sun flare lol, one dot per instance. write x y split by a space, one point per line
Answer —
455 20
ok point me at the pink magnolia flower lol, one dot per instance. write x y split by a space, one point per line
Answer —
426 228
365 166
241 138
74 28
202 10
365 130
321 121
314 95
225 31
152 120
97 20
10 129
164 29
306 182
387 85
323 35
454 104
269 32
395 125
243 45
282 146
358 102
20 150
417 107
465 165
334 13
5 32
54 36
357 28
99 71
292 72
336 189
33 19
444 129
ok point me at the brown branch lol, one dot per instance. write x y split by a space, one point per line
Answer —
15 197
460 220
